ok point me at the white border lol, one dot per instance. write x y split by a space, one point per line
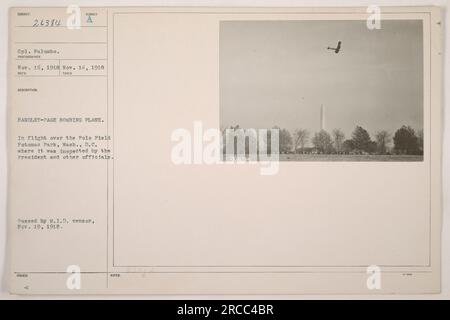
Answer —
5 4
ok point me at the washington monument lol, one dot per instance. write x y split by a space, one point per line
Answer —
322 117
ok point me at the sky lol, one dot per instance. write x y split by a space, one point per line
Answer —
280 73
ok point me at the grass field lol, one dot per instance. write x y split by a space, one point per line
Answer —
349 157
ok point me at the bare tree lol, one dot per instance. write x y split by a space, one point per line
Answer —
301 137
338 139
383 138
323 142
285 141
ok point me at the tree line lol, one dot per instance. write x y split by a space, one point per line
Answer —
405 141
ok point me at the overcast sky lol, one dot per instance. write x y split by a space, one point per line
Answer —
280 72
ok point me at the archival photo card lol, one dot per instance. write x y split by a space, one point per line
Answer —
116 142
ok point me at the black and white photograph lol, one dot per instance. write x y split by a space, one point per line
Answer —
336 90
